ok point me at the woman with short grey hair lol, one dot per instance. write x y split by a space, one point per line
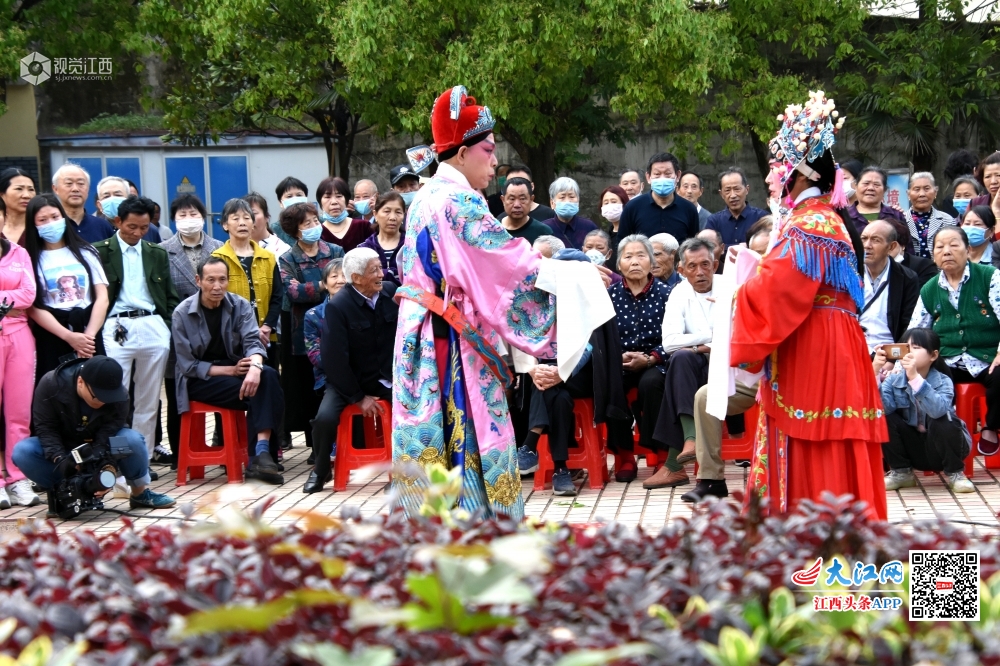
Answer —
567 225
923 218
548 245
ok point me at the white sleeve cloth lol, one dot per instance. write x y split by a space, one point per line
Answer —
688 317
582 306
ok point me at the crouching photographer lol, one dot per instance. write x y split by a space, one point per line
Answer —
79 413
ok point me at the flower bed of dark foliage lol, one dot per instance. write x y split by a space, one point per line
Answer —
385 590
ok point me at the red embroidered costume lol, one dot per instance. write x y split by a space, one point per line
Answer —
822 422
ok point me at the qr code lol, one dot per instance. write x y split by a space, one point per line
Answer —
944 585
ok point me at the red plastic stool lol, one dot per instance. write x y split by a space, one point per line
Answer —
194 454
379 443
652 457
589 454
739 448
970 405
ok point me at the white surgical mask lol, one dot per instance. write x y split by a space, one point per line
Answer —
189 226
611 212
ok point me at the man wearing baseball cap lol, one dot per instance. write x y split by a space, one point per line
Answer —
84 401
405 181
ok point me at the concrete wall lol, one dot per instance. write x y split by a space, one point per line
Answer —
19 130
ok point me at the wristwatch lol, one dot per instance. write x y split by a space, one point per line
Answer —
258 365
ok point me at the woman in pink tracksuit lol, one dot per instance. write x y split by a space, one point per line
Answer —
17 364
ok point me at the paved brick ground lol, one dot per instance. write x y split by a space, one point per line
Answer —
626 503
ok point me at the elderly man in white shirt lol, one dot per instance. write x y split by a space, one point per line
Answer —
687 334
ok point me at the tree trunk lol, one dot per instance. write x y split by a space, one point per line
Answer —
540 159
326 131
763 155
347 129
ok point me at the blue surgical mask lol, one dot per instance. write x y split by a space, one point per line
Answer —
662 186
977 235
364 206
110 206
53 232
326 217
291 201
311 235
408 197
961 205
566 209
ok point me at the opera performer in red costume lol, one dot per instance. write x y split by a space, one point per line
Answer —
822 422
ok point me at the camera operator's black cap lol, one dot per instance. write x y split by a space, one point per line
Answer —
104 377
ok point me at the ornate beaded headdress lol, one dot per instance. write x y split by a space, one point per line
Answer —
806 132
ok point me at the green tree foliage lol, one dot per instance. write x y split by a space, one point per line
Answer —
915 81
555 73
258 65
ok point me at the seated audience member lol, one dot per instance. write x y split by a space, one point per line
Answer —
357 347
923 267
708 441
365 195
613 200
925 433
302 276
18 287
691 188
687 334
567 225
631 182
891 290
387 241
220 361
84 401
600 242
713 237
141 300
640 302
517 197
963 190
262 226
339 228
759 235
665 260
71 289
537 211
548 245
963 307
660 211
71 184
735 220
289 191
923 219
111 192
871 186
333 280
979 223
190 246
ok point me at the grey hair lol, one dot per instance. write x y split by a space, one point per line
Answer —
668 242
234 206
635 238
923 174
693 245
554 243
967 180
113 179
369 181
356 261
599 233
334 265
563 184
69 165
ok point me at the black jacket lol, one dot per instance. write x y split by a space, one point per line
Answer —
923 267
606 359
904 290
357 342
55 413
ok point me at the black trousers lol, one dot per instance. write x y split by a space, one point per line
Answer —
646 410
264 409
992 384
942 448
324 426
552 409
687 372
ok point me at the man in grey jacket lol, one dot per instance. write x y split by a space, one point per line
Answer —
220 361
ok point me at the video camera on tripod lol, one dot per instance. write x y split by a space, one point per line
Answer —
97 472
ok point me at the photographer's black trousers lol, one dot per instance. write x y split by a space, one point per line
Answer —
264 409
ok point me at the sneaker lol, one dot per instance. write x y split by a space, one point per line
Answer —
562 483
4 500
147 499
986 447
263 468
161 457
527 460
21 494
121 489
900 478
706 488
959 483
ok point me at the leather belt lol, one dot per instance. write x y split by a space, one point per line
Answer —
134 314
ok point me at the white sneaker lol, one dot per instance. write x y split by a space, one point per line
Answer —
959 483
121 490
21 494
4 500
900 478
